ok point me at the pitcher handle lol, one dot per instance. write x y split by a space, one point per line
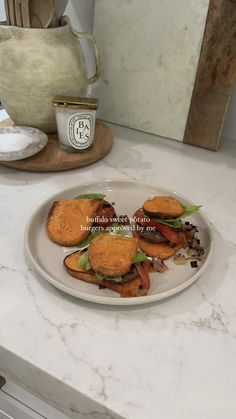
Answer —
89 36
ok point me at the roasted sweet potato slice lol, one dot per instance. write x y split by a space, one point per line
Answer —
132 288
69 221
112 255
164 206
161 250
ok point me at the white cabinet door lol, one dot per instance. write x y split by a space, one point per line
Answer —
17 403
11 408
4 416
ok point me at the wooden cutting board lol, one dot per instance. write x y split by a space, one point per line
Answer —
52 158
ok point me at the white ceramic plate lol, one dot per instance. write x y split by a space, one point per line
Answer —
47 257
17 143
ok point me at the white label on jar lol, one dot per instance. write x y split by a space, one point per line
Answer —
80 131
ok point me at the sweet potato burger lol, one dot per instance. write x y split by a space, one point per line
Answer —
159 227
71 222
113 262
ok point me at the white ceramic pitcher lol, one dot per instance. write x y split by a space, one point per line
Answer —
38 64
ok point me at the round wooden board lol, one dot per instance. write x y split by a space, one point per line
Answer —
52 158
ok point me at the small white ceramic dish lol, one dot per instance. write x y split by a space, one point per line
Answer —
47 257
17 143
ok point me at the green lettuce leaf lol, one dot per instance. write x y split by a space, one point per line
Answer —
176 222
189 210
88 266
140 257
87 241
91 196
173 224
83 262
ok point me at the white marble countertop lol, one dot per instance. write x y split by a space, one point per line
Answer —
172 360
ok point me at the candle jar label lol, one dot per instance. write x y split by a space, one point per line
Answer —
80 131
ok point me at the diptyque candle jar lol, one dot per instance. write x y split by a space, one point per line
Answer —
76 120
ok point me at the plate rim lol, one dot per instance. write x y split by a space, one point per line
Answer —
4 157
111 301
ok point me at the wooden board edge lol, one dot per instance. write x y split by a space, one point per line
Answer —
215 77
53 159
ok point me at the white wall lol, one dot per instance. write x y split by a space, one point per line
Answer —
2 13
81 15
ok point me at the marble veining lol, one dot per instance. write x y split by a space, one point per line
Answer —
174 359
149 52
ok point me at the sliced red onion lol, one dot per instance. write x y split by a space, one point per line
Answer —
159 265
